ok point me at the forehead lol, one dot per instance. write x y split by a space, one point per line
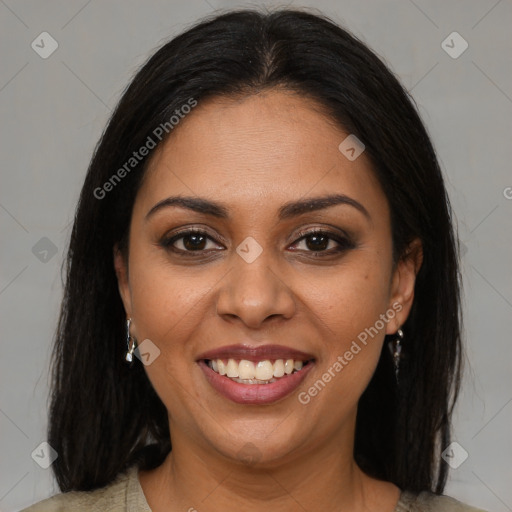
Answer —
256 150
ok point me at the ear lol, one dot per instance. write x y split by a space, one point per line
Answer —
121 268
403 281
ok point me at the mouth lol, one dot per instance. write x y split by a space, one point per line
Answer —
255 376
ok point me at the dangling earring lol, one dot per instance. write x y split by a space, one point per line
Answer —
130 342
396 349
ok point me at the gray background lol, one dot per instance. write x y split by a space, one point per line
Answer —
53 111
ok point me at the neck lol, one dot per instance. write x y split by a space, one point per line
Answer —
325 477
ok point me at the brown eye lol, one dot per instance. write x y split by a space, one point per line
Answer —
194 242
317 242
189 241
323 242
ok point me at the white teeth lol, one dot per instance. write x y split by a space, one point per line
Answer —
288 366
232 368
279 368
262 372
246 369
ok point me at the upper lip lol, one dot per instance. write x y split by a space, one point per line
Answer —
259 353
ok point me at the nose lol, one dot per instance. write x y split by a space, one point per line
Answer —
255 292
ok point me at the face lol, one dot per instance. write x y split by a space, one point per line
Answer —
264 265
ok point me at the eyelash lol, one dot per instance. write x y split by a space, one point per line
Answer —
344 243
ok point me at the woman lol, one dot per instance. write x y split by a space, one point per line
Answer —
263 217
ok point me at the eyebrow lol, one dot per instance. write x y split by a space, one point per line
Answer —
287 211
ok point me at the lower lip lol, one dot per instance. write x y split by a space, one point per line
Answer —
258 394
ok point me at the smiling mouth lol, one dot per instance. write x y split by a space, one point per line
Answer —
248 372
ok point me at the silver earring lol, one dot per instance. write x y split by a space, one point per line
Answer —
130 342
396 349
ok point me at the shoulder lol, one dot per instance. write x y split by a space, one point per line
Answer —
429 502
120 495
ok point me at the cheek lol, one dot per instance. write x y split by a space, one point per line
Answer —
168 307
349 310
166 300
354 297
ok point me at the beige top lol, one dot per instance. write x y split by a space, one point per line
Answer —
125 495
